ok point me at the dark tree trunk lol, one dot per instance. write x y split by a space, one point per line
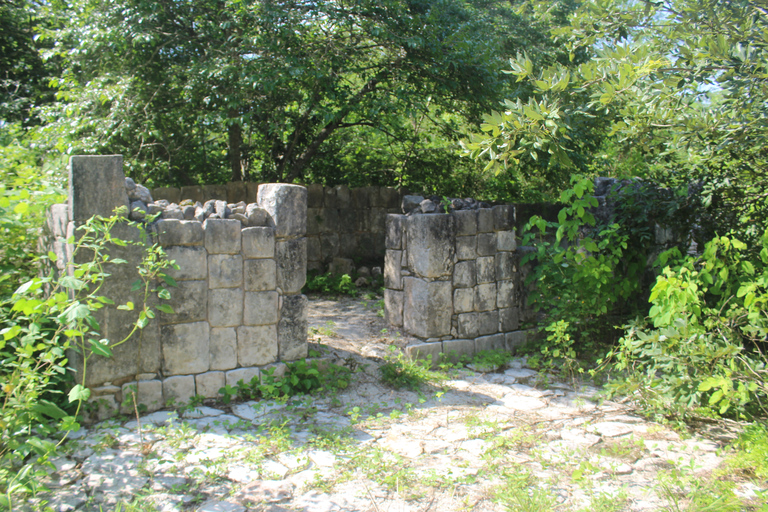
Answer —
235 133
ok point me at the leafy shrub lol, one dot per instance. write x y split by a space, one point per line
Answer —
401 372
330 284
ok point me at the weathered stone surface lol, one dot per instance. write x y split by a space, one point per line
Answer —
314 196
389 197
192 262
215 192
342 266
486 244
506 265
208 384
463 300
291 256
223 348
185 348
468 325
487 323
454 349
260 308
348 247
486 269
180 232
509 319
431 245
515 339
287 205
329 245
260 275
395 227
428 307
428 351
410 203
484 220
170 194
257 345
225 307
189 302
465 274
222 236
255 216
393 307
180 389
96 186
292 328
506 291
347 220
236 191
466 247
225 271
503 217
492 342
466 222
194 193
506 241
485 297
258 242
147 392
392 277
246 375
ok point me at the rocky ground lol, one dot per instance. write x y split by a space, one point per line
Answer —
508 440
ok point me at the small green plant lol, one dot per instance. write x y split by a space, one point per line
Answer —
558 354
330 284
750 456
490 360
401 372
326 330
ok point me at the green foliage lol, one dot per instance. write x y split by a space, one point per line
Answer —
330 284
750 458
301 377
49 315
704 348
400 371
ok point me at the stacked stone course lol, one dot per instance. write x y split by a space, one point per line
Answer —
238 306
453 280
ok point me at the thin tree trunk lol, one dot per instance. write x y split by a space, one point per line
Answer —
235 133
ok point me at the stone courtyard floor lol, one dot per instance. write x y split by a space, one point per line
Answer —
481 442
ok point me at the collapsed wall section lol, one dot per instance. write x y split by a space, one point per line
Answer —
237 306
453 280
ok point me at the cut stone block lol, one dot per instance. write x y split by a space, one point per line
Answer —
455 349
179 232
505 297
466 247
487 323
503 217
392 277
314 252
422 351
329 198
431 245
287 205
506 265
185 348
395 228
223 348
484 220
237 191
216 192
328 220
428 307
260 308
466 222
57 218
233 377
329 247
361 198
170 194
486 244
256 345
189 302
179 389
260 275
314 196
492 342
314 219
292 328
194 192
486 269
208 384
485 297
393 307
463 300
515 339
225 307
468 325
390 197
465 274
506 241
96 186
291 256
146 392
225 271
222 236
192 262
509 319
258 242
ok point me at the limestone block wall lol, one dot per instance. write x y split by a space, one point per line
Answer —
342 222
453 280
238 306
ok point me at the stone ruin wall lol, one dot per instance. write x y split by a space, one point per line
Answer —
454 281
343 223
238 307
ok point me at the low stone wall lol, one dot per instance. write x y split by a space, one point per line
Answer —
237 308
342 222
453 280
